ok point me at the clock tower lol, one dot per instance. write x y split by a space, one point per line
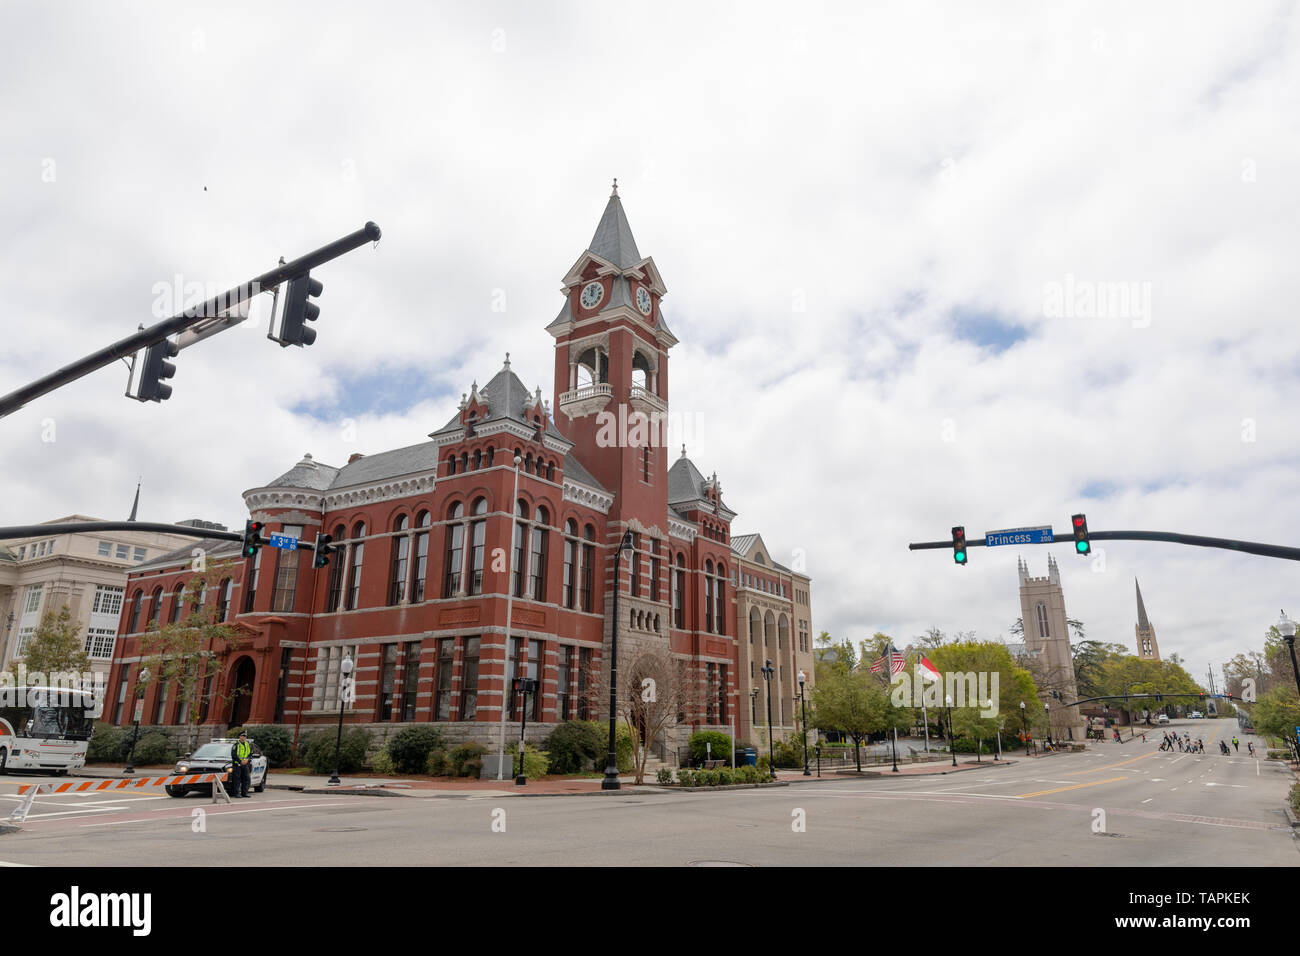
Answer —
611 372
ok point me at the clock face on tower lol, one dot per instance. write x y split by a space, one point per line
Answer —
592 295
643 300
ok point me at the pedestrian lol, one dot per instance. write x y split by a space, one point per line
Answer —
1235 747
1200 746
1250 748
241 771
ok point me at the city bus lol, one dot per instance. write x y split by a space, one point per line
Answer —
45 728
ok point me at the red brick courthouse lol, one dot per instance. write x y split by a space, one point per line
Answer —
417 593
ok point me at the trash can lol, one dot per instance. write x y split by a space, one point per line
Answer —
748 756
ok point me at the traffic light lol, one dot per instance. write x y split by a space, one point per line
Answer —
323 550
959 544
1081 545
252 538
298 311
154 369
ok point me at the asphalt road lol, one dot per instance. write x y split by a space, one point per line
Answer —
1117 804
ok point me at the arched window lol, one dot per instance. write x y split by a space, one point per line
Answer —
334 595
550 471
478 458
136 600
720 596
421 550
640 370
223 598
708 596
451 465
464 461
679 593
570 589
1043 629
178 602
155 607
538 547
519 531
490 455
357 554
588 567
755 624
454 555
401 556
478 540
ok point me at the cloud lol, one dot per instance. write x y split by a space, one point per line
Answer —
859 214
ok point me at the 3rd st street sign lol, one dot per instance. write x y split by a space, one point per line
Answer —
1037 535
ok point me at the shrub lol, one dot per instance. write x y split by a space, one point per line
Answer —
107 744
382 763
664 776
708 777
720 741
321 746
535 761
576 746
273 740
764 766
686 777
437 765
788 754
748 774
1294 797
467 759
409 748
155 749
725 777
964 745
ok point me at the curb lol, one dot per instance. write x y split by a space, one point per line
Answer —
673 788
352 791
1291 817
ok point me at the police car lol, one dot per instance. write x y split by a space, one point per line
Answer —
214 757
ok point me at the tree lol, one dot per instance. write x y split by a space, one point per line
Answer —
1089 656
932 638
56 647
1014 685
1018 627
844 702
655 690
182 653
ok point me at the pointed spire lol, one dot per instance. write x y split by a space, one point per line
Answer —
615 192
135 505
613 239
683 449
507 365
1142 610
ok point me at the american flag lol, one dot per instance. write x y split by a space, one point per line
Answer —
896 661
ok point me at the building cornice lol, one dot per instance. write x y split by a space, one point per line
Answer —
585 495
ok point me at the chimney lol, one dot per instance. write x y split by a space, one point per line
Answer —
355 456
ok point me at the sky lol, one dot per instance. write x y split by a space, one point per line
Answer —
928 264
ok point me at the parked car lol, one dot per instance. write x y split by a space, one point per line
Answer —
214 757
1196 715
1162 719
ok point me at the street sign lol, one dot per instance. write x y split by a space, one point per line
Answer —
1041 535
285 542
139 710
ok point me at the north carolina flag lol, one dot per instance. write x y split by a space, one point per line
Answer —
926 669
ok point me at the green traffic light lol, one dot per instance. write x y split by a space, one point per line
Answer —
1081 546
960 556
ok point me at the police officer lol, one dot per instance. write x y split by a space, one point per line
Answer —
241 774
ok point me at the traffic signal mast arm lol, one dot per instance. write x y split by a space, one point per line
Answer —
191 317
73 527
1171 537
1199 695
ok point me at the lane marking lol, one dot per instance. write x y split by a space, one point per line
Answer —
296 806
1077 773
1148 799
1077 786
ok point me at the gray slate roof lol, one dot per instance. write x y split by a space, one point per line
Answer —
613 239
213 547
388 464
306 474
575 470
506 397
742 543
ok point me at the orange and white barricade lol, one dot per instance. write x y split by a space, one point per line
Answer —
30 792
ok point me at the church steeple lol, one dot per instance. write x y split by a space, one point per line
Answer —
613 240
1147 647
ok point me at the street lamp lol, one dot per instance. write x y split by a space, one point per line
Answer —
819 761
767 670
345 668
510 604
139 712
803 704
1047 714
1287 627
952 744
526 686
611 765
988 705
1024 718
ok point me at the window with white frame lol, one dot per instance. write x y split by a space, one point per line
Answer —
138 554
33 603
108 600
24 638
325 690
22 552
99 643
105 549
123 551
